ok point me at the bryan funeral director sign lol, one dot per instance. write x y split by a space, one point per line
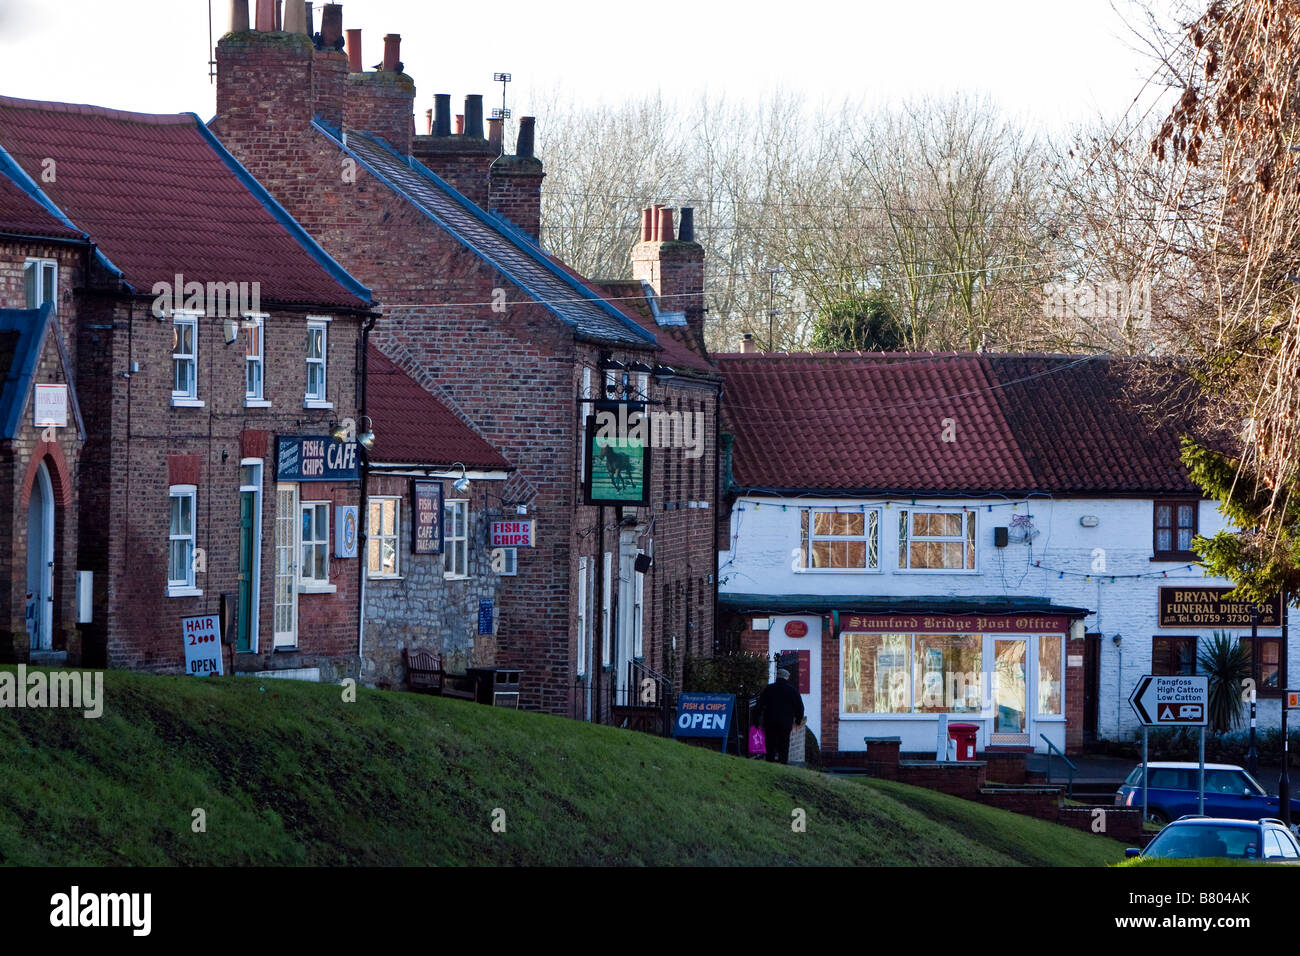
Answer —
1171 701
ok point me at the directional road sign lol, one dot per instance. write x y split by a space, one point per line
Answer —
1171 701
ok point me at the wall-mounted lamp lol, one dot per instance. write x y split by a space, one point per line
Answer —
1117 639
461 484
345 430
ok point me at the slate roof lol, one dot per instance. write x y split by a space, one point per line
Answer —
876 423
23 334
498 243
413 427
161 196
629 296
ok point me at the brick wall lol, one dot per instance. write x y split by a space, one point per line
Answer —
20 458
142 630
514 375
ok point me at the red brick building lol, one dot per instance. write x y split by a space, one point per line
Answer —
443 227
211 347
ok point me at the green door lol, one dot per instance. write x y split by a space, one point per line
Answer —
246 513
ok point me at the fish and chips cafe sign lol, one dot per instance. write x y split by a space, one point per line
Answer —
1209 607
316 458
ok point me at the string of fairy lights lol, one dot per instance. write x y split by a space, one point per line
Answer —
904 504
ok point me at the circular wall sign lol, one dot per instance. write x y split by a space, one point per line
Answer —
795 629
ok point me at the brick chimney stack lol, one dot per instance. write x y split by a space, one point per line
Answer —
462 157
515 183
382 103
672 262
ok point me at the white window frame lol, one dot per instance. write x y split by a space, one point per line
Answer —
255 324
810 515
39 268
582 425
509 562
377 536
638 613
607 593
183 587
584 618
187 399
968 523
315 584
453 542
312 399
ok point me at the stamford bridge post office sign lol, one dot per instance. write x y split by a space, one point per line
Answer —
316 458
1208 607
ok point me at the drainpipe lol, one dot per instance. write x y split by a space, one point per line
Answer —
363 545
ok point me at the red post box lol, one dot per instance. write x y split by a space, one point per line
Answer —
965 735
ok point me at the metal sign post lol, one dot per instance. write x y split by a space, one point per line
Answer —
1201 785
1144 773
1171 702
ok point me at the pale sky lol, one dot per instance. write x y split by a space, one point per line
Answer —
1047 62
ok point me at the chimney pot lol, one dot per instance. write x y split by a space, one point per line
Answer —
647 224
686 230
524 146
495 134
295 17
331 26
238 16
474 115
665 225
747 343
311 18
265 16
393 53
442 114
354 52
460 124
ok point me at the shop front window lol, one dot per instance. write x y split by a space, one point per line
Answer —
948 673
876 670
1049 675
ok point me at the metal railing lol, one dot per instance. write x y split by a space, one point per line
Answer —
1052 749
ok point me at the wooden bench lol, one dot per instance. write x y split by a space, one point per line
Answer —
424 671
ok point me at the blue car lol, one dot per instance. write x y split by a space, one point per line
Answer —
1229 792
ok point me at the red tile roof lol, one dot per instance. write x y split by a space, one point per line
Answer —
876 423
414 428
160 196
23 215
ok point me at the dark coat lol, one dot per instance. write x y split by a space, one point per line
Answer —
779 705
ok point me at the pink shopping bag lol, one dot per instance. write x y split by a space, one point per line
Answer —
757 742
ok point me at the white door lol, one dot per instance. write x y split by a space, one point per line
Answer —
803 636
286 566
40 562
628 609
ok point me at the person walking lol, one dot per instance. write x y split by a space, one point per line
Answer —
780 707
